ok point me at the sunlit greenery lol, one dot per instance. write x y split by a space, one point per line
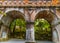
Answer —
1 12
18 29
43 30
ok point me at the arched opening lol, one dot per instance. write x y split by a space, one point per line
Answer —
17 29
43 27
15 23
43 30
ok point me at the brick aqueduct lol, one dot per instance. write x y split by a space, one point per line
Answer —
30 11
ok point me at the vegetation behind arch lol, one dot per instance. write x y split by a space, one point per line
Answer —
18 29
43 30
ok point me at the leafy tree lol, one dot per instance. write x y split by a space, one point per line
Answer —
42 30
20 31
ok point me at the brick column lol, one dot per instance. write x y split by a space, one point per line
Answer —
30 32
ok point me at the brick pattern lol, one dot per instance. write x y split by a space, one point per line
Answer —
29 3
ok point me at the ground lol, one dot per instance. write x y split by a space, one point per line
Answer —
23 41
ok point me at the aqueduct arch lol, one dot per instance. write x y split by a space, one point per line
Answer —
30 10
46 14
51 18
10 16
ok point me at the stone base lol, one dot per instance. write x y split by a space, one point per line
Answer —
29 42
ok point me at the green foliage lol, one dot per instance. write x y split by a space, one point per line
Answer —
20 22
42 30
42 23
2 13
20 31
